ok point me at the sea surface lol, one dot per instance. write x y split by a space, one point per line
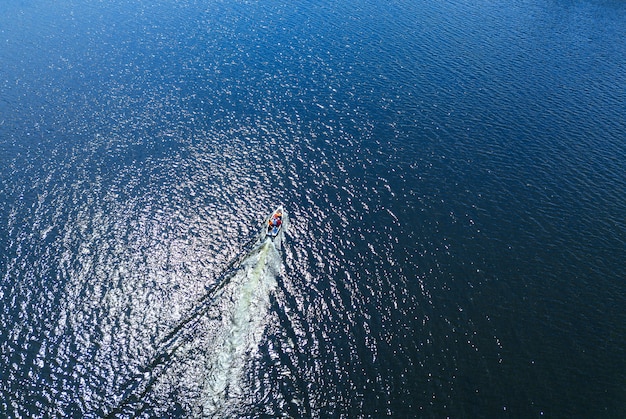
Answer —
454 173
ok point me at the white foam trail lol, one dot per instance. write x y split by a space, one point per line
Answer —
244 307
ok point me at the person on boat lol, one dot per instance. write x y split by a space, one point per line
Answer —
270 225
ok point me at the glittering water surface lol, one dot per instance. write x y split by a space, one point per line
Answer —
454 173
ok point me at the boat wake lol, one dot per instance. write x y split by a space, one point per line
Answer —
244 305
226 325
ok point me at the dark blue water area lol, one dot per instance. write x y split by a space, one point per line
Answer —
454 175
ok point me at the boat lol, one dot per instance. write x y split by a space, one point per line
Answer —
275 223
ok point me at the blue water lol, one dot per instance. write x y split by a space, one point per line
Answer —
454 173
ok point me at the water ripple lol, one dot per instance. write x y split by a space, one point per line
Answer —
453 174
